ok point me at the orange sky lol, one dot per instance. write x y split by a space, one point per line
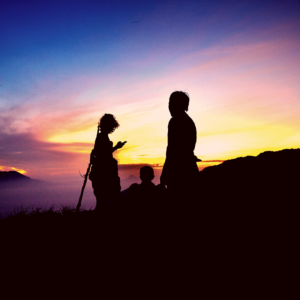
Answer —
244 100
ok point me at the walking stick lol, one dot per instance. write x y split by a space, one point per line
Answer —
85 180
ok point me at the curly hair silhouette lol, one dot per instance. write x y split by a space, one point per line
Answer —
108 123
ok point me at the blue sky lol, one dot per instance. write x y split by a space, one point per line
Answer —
61 37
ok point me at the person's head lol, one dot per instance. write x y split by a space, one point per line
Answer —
108 123
178 103
146 174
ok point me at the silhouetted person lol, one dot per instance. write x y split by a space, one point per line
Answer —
147 195
147 187
180 170
147 175
104 173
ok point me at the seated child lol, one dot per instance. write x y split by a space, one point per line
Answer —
146 194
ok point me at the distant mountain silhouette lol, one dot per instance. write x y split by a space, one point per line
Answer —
9 179
12 176
266 168
252 185
126 183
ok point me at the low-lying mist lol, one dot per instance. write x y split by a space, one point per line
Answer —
45 194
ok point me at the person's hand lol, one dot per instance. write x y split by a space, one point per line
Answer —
120 145
197 159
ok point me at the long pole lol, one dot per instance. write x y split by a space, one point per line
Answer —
84 182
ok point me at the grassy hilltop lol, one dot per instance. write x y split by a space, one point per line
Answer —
240 228
242 183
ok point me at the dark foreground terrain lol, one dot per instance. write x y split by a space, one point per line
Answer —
237 236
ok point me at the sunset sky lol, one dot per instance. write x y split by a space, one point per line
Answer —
63 64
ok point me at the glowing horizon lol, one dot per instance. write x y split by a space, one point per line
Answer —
5 168
240 125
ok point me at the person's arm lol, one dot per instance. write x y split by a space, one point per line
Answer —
174 139
170 147
118 146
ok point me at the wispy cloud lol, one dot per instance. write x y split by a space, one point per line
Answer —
40 159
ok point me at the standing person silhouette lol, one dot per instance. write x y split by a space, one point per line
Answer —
180 168
104 173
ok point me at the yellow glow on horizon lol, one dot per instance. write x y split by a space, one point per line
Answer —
231 137
19 170
86 136
5 168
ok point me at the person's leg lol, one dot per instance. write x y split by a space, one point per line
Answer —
101 202
182 193
115 193
102 197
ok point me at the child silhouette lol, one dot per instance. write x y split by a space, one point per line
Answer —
145 196
104 173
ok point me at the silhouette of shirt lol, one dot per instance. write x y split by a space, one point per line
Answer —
180 161
145 196
105 167
182 137
103 148
142 192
